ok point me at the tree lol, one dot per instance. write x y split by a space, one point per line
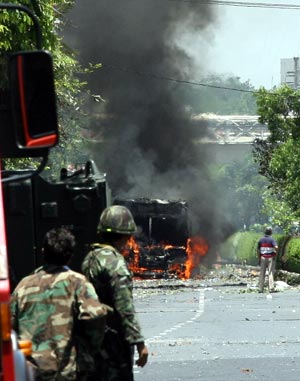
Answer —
219 99
279 155
17 33
279 212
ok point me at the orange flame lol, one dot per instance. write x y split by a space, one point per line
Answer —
196 248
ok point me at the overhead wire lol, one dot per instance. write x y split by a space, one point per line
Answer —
176 80
246 4
188 82
194 83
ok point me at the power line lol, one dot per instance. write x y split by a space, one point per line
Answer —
230 3
217 2
242 4
176 80
187 82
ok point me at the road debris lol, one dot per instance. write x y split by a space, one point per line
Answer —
244 277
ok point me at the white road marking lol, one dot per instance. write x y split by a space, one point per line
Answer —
199 312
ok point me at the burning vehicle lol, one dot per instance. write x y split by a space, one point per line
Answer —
162 247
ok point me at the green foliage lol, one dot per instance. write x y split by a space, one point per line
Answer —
282 240
18 28
280 110
291 257
279 211
279 155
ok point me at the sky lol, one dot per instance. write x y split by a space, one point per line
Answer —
249 42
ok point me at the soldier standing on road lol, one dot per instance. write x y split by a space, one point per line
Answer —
106 268
59 311
267 250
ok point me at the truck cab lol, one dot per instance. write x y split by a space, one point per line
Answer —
29 128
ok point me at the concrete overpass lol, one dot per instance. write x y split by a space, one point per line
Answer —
230 137
232 129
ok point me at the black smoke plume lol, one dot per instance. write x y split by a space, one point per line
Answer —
149 146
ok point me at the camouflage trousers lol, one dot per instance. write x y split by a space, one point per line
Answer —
115 360
107 370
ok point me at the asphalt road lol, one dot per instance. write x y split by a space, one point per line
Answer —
219 333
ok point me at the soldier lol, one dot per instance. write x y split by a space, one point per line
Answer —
106 268
55 308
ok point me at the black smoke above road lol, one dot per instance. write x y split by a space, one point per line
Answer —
149 139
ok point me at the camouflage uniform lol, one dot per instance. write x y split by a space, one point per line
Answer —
50 307
107 270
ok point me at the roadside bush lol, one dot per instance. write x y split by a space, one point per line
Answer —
228 248
290 259
241 248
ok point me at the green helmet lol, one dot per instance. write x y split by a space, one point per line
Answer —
117 219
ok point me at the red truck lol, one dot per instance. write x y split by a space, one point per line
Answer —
29 128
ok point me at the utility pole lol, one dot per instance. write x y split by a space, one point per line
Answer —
296 73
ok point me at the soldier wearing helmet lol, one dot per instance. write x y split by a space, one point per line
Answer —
107 270
266 251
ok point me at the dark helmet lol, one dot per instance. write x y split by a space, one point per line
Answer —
268 230
117 219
